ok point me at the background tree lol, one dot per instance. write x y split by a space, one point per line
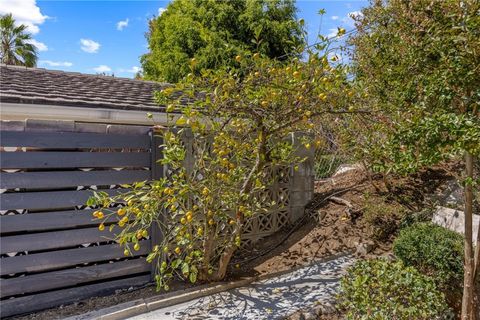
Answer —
418 63
215 31
15 48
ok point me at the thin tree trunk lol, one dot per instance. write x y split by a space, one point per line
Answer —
477 247
240 217
468 282
208 247
476 265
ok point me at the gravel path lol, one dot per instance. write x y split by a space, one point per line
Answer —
275 298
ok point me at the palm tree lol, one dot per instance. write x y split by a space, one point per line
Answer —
15 48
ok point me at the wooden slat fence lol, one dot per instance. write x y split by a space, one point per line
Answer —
51 250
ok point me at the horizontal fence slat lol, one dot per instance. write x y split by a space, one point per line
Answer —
70 277
46 300
49 200
45 221
54 240
73 140
49 160
64 258
61 179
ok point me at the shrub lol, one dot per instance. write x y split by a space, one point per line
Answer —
380 289
382 218
432 250
224 134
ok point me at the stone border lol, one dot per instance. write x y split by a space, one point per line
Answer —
141 306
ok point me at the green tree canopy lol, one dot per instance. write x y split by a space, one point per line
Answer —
215 31
419 63
15 48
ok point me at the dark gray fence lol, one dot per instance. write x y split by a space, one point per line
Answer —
51 250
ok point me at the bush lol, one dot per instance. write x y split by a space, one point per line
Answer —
380 289
433 250
383 219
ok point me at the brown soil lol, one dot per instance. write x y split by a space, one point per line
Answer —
337 231
98 303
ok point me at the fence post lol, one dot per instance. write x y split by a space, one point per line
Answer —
301 182
157 172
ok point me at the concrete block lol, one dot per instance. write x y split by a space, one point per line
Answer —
298 198
454 220
296 213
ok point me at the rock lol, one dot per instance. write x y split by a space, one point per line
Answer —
365 248
326 309
389 256
451 196
454 220
343 168
310 316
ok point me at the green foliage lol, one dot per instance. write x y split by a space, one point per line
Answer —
417 67
215 31
382 218
15 48
383 290
433 250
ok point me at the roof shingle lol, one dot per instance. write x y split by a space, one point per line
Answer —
51 87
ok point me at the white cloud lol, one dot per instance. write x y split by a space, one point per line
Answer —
122 24
333 33
55 63
335 17
89 46
40 45
24 12
102 68
131 70
161 10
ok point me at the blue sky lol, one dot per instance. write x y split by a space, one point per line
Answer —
108 36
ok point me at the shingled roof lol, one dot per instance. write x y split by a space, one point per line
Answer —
51 87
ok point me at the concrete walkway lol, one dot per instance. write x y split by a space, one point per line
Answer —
274 298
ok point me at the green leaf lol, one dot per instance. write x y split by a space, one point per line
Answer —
91 201
185 268
193 277
176 263
150 257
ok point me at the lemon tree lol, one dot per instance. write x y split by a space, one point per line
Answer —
226 127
